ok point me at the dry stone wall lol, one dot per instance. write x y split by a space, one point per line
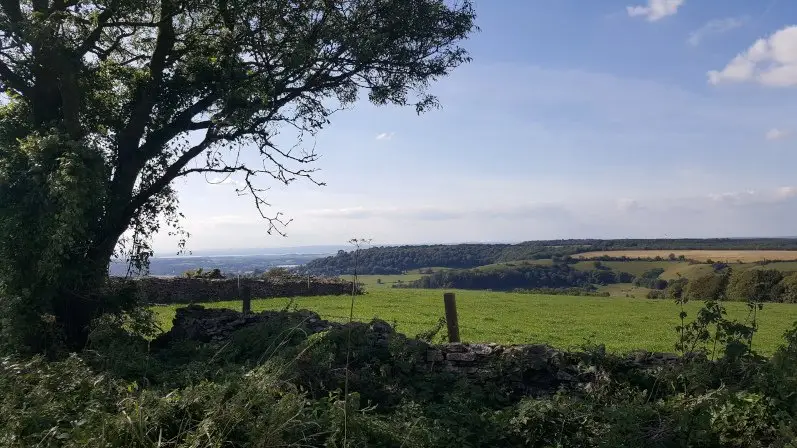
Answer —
180 290
529 369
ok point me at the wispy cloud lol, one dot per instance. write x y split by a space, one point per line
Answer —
785 192
770 62
776 134
432 213
655 9
226 181
628 205
715 27
385 136
752 197
224 220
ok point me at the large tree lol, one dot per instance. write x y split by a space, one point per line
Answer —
107 102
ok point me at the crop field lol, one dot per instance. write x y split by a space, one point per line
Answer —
730 256
622 324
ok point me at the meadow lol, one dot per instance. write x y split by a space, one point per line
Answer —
384 281
730 256
622 324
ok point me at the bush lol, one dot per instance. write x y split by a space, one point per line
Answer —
650 279
789 288
656 294
213 274
273 384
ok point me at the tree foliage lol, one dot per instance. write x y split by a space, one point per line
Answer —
789 288
758 285
396 259
528 276
109 101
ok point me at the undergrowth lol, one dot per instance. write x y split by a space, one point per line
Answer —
276 384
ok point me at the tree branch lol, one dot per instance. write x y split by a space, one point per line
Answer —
129 161
171 173
40 5
96 33
13 80
104 54
131 135
12 10
181 123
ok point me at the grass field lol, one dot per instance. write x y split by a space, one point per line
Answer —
387 281
625 290
634 267
730 256
511 264
622 324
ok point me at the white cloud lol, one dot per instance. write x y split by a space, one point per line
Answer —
628 205
785 192
737 197
385 136
226 181
715 27
441 213
776 134
655 9
770 62
755 197
222 220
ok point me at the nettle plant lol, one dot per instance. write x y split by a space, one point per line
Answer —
711 331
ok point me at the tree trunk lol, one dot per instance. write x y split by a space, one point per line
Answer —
87 296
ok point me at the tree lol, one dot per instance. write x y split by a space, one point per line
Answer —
789 287
756 285
710 287
675 289
110 101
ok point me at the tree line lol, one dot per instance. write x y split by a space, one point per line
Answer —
754 285
386 260
559 276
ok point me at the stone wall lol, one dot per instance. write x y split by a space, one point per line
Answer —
197 323
192 290
528 370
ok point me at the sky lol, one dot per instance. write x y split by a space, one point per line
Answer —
575 119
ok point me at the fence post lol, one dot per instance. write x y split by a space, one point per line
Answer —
450 301
246 296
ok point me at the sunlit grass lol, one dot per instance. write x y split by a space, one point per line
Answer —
622 324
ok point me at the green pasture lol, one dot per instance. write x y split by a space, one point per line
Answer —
511 264
672 269
622 324
625 290
370 282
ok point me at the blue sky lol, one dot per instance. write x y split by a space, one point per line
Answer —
636 118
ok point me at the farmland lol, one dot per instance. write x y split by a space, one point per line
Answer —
730 256
622 324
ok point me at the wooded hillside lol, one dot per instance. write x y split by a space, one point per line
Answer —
398 259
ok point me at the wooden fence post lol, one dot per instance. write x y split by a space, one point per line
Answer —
246 296
452 321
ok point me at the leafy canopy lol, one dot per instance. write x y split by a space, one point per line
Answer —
107 102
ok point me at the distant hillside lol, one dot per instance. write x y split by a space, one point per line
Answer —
175 266
398 259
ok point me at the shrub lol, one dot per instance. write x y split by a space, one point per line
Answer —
656 294
212 274
789 288
273 385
